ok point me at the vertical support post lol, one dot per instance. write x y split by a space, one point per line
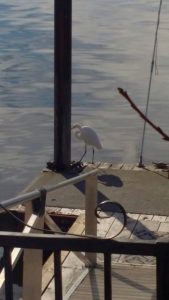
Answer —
90 218
162 268
33 258
62 82
107 277
8 274
58 275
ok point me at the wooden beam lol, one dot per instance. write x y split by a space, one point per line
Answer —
32 263
48 270
16 252
90 206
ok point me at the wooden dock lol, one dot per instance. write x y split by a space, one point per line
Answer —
133 277
139 190
127 283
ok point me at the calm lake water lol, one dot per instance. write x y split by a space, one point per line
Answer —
112 47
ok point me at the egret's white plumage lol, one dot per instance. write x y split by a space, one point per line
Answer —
89 136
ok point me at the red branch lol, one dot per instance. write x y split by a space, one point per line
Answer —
158 129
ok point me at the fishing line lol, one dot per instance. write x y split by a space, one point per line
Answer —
153 63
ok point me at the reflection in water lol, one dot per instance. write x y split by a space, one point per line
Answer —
112 47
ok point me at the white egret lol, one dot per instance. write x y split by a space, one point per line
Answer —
90 138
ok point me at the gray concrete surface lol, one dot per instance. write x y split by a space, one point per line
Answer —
139 191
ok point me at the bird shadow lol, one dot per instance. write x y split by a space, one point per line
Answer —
110 180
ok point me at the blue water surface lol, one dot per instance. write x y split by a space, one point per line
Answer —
112 47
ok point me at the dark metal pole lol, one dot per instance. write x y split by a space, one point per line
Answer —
107 277
162 275
62 82
8 274
58 275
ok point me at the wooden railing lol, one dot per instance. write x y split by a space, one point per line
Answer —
35 243
58 243
36 217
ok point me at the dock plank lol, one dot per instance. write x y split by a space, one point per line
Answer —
128 283
104 225
164 227
48 269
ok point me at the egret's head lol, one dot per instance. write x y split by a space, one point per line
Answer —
76 126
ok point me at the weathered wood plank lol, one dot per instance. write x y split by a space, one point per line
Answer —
145 229
137 168
51 224
116 225
128 166
32 262
78 212
127 231
127 283
145 217
66 211
117 166
90 205
103 226
161 219
53 210
18 251
48 270
167 219
164 227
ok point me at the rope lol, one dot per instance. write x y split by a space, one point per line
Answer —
68 233
154 62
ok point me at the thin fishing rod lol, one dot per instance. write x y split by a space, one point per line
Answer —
154 57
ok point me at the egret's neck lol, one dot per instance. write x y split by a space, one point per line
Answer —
78 134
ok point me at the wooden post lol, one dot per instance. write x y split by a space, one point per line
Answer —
90 218
33 259
62 82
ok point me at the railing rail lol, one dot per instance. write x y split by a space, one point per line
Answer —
34 244
21 199
35 217
57 243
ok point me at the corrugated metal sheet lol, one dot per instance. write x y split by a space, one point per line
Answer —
128 283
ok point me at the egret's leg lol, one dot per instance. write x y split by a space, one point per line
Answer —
93 157
83 153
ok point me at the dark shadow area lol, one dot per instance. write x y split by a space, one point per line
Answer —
140 231
110 180
133 283
71 173
94 286
105 179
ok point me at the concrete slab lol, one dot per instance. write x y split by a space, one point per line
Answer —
138 190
